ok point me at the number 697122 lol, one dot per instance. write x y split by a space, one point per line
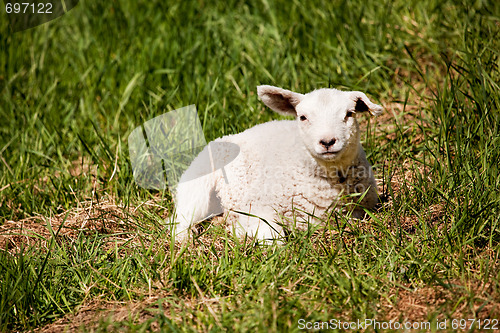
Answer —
28 8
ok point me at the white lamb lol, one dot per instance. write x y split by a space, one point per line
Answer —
290 168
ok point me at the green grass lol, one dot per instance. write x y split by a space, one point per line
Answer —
80 240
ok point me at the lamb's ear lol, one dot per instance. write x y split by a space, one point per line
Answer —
364 104
280 100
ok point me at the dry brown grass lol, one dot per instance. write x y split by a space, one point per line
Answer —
89 315
103 216
418 304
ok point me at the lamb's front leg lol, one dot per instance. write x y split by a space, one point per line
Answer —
261 225
196 200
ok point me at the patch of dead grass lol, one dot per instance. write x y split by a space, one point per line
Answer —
90 315
472 299
103 216
94 313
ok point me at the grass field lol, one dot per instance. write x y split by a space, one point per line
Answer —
82 248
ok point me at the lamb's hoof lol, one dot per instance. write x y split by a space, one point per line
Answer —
269 242
180 233
182 237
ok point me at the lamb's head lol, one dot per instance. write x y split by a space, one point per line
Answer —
326 118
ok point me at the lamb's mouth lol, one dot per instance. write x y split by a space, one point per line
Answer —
330 154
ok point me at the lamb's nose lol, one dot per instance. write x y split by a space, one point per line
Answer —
327 144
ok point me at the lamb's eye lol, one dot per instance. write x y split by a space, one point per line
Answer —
349 114
303 118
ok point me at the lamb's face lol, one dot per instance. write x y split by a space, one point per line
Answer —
327 124
326 118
